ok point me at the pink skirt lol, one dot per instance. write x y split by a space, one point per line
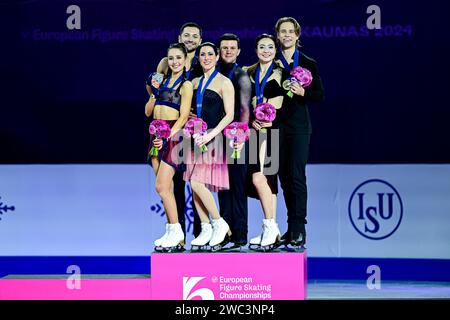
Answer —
209 168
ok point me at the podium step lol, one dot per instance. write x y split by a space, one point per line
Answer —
177 276
229 276
92 287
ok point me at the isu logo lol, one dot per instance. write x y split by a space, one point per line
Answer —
375 209
189 284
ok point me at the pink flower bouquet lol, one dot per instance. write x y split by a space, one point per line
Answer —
195 127
302 76
265 112
161 130
237 132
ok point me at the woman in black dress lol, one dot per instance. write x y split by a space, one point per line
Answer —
266 77
172 105
213 102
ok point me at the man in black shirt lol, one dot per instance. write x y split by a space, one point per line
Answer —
295 129
233 202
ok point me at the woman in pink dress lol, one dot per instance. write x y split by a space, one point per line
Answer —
213 102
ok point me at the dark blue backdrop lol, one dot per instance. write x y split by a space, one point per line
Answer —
82 101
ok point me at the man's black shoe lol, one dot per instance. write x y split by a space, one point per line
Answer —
286 238
298 240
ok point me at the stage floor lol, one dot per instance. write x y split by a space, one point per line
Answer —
344 290
317 289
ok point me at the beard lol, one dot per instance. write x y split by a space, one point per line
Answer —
189 50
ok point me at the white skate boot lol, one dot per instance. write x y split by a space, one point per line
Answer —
255 243
174 242
271 235
201 242
158 242
221 234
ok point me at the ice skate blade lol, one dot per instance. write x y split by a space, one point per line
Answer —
254 247
204 248
234 248
176 249
270 247
158 249
219 247
292 248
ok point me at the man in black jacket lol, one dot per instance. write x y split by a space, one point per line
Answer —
233 202
295 129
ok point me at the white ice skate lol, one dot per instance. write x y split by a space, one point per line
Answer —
221 234
255 243
158 242
271 235
201 242
174 242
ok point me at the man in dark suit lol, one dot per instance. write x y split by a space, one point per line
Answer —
233 202
295 129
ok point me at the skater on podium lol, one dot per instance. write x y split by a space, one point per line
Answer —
266 77
295 129
172 106
233 202
191 36
207 171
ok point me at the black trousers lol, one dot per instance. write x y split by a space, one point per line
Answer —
178 189
294 150
233 203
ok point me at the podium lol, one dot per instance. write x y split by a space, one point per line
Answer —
178 276
229 276
41 288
